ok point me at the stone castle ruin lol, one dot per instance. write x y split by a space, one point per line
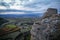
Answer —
48 28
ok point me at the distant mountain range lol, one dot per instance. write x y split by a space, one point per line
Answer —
14 10
28 14
20 15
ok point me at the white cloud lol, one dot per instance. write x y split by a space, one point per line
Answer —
23 8
7 1
2 7
39 6
12 13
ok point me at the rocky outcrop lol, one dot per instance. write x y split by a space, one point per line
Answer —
48 28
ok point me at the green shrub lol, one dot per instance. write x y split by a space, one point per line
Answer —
10 26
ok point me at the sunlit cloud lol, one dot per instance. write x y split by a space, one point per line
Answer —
38 6
12 13
2 7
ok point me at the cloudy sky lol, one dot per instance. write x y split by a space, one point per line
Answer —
29 6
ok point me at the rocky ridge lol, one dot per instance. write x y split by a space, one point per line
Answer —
48 28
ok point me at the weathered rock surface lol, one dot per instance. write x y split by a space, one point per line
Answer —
48 28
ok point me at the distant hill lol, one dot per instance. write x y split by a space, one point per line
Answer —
28 14
20 15
2 20
13 10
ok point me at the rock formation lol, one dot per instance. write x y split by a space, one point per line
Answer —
48 28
